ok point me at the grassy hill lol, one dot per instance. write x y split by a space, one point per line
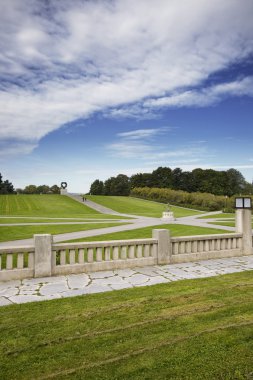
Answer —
137 206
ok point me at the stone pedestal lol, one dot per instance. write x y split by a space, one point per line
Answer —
64 191
168 216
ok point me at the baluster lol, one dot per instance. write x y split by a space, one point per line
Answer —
154 250
115 253
0 262
30 260
175 248
146 250
229 243
212 245
182 247
223 244
90 258
107 253
80 255
131 252
62 257
20 261
206 246
99 254
218 244
72 256
123 253
188 247
9 261
139 251
194 246
200 246
234 245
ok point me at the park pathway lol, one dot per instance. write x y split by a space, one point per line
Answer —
48 288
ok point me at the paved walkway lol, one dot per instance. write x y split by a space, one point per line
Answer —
39 289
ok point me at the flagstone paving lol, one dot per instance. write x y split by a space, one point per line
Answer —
47 288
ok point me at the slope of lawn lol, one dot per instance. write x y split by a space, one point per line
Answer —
225 223
186 330
218 216
9 233
135 206
146 232
46 205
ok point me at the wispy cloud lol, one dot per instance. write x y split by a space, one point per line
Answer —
65 60
143 133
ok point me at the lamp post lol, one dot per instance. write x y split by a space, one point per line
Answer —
243 207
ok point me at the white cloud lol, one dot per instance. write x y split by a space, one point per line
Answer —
66 60
143 133
205 96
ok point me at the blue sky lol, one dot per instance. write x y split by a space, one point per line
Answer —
91 89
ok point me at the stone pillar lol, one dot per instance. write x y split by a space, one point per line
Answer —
238 220
246 231
164 246
43 255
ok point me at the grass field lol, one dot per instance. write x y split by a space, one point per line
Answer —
225 223
9 233
187 330
146 232
47 206
141 207
219 216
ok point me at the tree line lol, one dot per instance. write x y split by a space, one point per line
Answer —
228 183
41 189
6 187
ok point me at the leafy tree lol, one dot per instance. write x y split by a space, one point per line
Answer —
97 187
119 185
30 189
55 189
6 187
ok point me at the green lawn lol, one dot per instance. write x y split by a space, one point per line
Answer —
55 206
9 233
137 206
146 232
187 330
14 220
225 223
219 216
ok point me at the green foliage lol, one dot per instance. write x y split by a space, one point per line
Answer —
97 188
201 201
228 182
117 185
6 187
187 330
41 189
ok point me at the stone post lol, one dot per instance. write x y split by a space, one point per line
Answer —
43 255
64 191
238 220
246 231
164 246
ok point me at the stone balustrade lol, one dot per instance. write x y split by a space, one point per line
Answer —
45 258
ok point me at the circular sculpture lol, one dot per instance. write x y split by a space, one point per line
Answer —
64 185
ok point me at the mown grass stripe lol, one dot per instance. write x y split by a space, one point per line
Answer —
144 350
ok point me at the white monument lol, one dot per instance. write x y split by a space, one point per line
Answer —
168 216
